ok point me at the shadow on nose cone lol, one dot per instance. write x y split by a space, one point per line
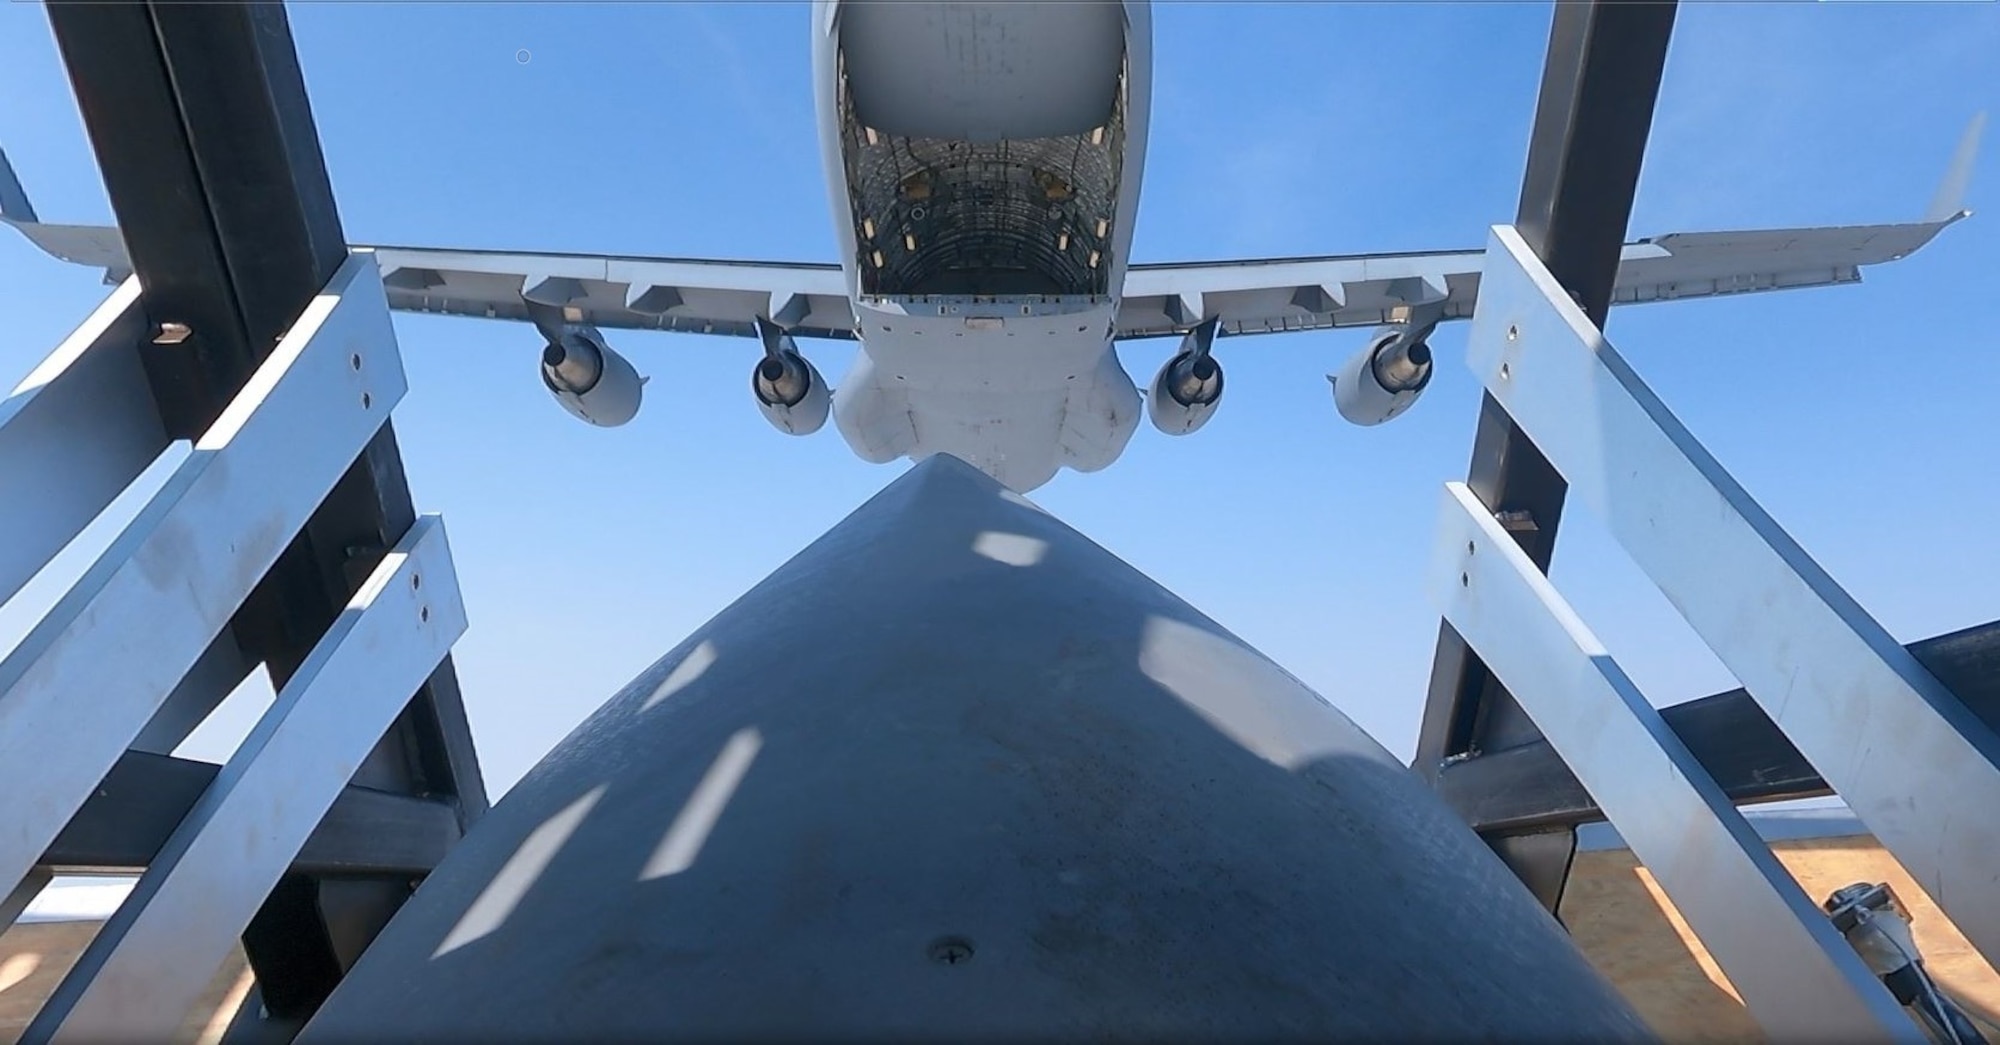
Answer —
955 772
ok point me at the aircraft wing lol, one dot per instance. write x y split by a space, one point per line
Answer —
1249 297
1268 297
634 293
623 293
1277 295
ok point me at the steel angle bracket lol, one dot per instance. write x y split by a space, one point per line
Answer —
89 676
1795 972
1907 756
146 971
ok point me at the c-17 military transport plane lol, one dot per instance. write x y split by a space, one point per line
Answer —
983 162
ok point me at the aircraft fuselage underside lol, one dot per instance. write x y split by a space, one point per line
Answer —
983 162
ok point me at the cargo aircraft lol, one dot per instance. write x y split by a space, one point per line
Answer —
983 163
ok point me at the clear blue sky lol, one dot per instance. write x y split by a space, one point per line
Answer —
1863 417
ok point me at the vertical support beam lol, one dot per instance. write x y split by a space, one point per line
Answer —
1797 975
1908 757
83 684
1592 121
201 126
144 972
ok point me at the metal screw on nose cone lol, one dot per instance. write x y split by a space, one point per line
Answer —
951 950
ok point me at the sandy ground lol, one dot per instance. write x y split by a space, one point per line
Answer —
1620 919
35 956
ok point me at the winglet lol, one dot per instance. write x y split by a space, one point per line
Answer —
1949 203
14 206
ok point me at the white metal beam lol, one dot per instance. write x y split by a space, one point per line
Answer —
1797 975
213 677
78 690
146 970
1904 753
73 435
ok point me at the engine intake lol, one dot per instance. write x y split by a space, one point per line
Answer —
789 390
591 381
1384 378
1188 387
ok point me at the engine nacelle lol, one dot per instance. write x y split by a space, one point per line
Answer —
1383 379
1188 387
791 393
590 380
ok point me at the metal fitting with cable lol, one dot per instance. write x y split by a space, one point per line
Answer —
1875 924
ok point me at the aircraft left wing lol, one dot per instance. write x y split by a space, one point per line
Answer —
628 293
1275 296
1278 295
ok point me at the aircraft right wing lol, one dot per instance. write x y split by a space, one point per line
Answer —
611 293
98 246
619 293
1283 294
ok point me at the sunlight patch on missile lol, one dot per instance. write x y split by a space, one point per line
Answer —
1011 548
692 667
504 892
1244 695
1014 498
690 829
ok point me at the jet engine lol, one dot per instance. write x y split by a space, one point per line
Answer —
1188 387
1384 378
789 390
589 380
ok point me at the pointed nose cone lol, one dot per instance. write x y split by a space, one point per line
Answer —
955 772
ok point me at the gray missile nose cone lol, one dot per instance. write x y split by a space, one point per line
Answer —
952 773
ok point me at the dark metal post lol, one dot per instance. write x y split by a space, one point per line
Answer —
200 122
1592 121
